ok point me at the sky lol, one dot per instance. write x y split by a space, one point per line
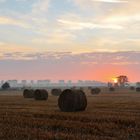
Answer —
69 39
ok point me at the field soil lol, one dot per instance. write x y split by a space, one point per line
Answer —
109 116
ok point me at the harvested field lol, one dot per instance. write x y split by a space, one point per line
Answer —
114 116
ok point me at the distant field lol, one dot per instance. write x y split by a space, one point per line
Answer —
109 116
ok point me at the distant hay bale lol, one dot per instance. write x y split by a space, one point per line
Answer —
138 89
28 93
89 88
111 89
81 88
56 92
72 101
95 91
132 88
40 94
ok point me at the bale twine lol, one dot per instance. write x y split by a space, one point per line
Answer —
95 91
56 92
28 93
40 94
72 100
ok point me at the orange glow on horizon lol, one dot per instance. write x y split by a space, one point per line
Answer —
115 80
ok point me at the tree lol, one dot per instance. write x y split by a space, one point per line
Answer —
122 80
5 86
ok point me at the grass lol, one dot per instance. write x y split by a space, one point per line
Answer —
114 116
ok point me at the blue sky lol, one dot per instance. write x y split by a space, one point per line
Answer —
29 27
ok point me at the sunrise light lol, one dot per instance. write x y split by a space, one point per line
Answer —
46 39
65 64
115 80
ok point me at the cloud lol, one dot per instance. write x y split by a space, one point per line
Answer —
13 48
2 43
99 44
110 1
12 21
123 16
40 7
105 28
57 38
2 1
123 19
19 56
100 58
132 8
35 19
65 65
99 6
73 25
21 0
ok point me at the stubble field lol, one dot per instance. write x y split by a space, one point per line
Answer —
109 116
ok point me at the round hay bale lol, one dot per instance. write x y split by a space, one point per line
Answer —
138 89
40 94
95 91
72 100
56 92
111 89
132 88
28 93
